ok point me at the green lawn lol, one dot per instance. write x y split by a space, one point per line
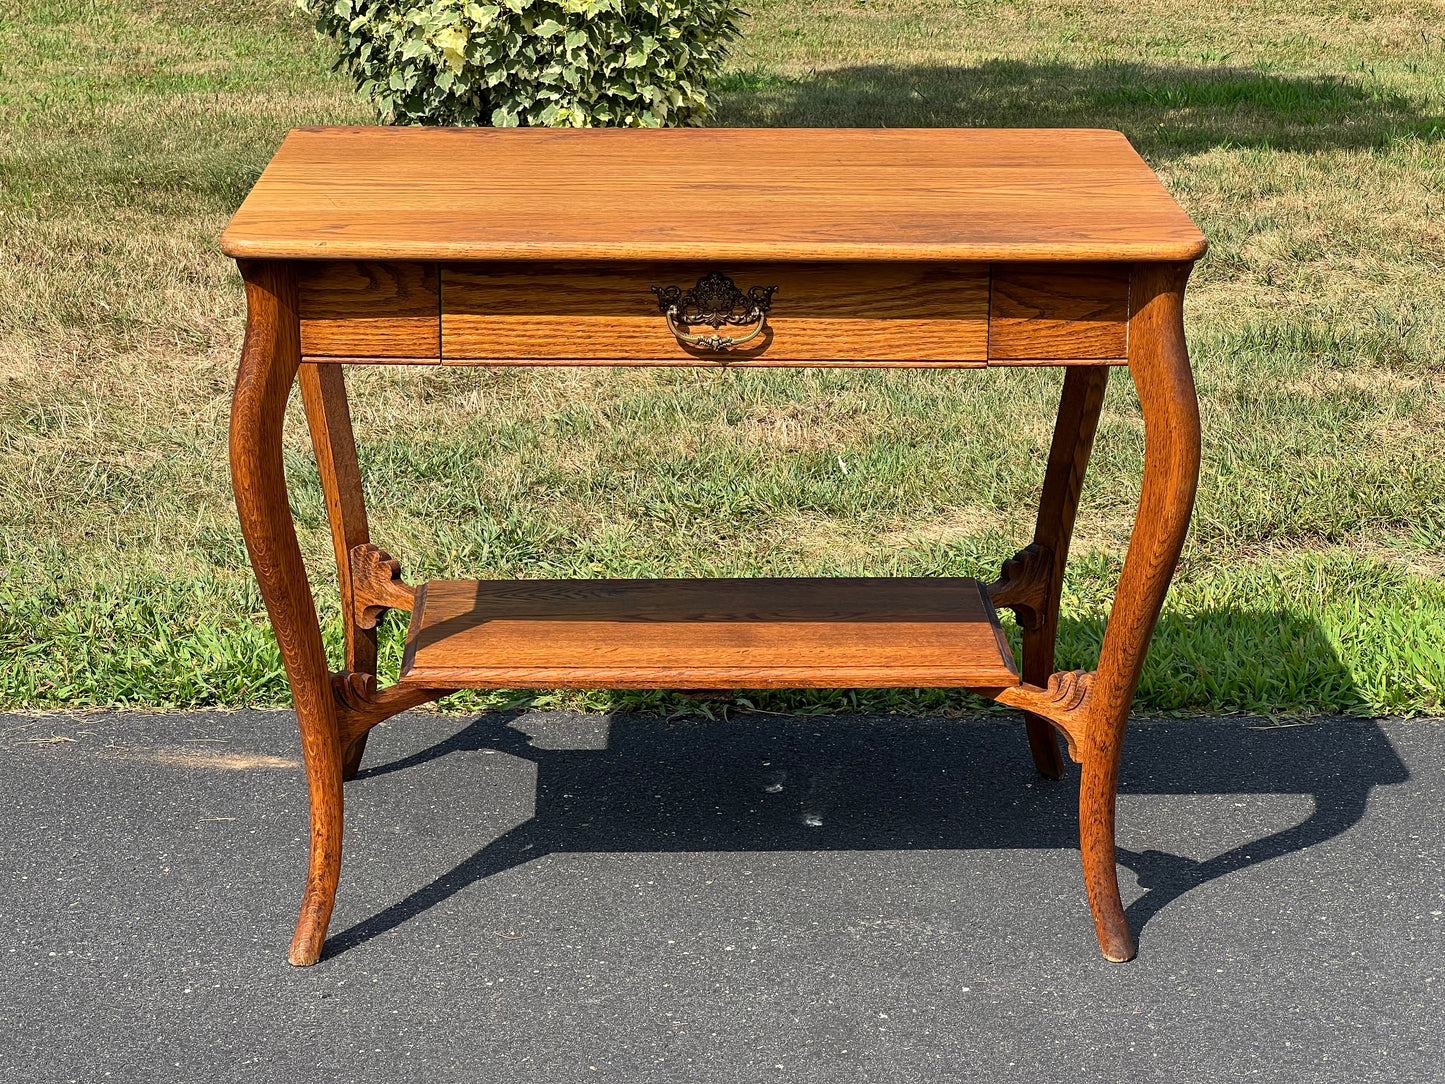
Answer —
1306 138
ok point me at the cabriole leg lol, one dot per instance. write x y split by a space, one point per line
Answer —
1159 364
323 391
1078 419
269 361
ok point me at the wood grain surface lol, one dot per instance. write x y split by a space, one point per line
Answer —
1159 364
710 193
367 308
937 247
270 357
822 313
1051 312
708 634
323 392
1077 421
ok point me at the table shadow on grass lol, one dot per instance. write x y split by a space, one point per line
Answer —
1163 110
763 782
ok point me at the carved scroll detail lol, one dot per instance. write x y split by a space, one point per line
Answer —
1069 690
360 705
376 585
354 692
1023 584
1064 703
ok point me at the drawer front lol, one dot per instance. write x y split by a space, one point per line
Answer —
1050 313
915 314
366 310
820 314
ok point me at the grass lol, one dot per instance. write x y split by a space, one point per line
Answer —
1306 138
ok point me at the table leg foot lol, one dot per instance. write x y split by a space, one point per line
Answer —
324 774
1096 844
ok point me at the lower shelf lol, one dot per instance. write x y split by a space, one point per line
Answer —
706 634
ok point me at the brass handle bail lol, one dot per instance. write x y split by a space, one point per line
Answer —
715 301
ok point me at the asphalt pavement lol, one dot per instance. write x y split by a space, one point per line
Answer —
553 897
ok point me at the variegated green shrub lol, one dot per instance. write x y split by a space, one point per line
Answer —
580 63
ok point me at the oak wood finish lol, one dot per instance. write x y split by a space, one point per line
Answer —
270 357
323 392
362 705
715 194
1092 707
1159 364
822 313
1078 420
705 634
846 315
378 586
333 715
366 308
1052 313
372 359
1023 584
1061 703
909 248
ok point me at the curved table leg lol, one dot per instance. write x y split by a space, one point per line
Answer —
1159 364
269 361
1078 419
323 391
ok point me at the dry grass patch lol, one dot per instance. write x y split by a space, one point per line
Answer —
1305 137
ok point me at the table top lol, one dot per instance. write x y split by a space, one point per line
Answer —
798 194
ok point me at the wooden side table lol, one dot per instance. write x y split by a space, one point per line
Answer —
738 248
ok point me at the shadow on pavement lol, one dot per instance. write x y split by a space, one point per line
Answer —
757 782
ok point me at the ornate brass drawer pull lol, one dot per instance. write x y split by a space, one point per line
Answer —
715 301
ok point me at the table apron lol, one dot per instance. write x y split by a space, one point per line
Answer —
900 314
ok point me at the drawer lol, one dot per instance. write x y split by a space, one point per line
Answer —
370 310
1048 313
913 314
820 314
